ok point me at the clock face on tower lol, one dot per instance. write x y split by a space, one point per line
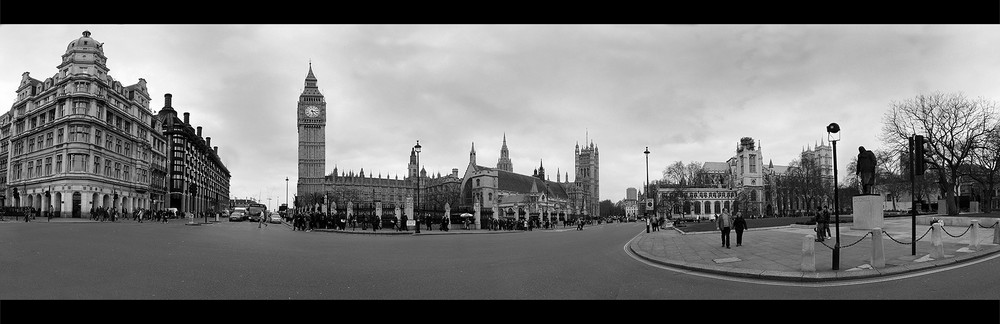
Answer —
312 111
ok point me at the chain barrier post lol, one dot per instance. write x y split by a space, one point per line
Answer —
974 237
878 251
809 253
937 251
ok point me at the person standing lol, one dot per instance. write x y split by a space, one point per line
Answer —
820 231
739 224
724 221
826 220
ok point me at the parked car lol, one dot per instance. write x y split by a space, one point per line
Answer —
237 216
275 218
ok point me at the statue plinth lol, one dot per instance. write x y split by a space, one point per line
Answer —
868 212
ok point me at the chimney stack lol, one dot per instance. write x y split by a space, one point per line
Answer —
198 130
208 140
166 100
187 118
216 148
454 172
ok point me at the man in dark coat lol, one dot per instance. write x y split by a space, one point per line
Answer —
866 169
739 224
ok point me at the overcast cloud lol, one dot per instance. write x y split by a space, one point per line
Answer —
688 92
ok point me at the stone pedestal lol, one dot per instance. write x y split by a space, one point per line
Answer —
942 207
973 206
476 209
409 208
808 253
867 212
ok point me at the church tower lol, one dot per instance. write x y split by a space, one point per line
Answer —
412 166
588 178
311 124
504 162
750 174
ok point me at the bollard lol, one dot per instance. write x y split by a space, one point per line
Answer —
996 232
937 249
809 253
974 236
878 252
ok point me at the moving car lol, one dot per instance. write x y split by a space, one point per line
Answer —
275 218
237 216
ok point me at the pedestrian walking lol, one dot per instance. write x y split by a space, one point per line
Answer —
826 220
820 231
262 219
739 224
724 222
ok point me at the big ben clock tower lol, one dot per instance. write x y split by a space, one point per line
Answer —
312 138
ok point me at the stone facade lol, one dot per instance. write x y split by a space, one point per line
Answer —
81 139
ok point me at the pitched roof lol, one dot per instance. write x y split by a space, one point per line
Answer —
715 166
510 181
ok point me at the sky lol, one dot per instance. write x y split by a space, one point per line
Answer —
687 92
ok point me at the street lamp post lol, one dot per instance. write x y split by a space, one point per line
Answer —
645 212
833 131
286 191
416 220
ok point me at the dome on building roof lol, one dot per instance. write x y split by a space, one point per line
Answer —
85 43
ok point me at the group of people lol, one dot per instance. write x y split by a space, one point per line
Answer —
726 223
104 214
822 223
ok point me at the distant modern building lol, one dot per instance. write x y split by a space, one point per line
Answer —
631 203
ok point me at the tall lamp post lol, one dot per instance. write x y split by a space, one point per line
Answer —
416 220
286 191
833 132
646 211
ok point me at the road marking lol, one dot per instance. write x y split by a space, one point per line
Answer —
838 283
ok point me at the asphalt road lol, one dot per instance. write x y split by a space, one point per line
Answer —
239 261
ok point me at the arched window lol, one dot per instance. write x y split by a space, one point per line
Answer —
477 182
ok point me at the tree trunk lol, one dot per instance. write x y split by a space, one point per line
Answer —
949 197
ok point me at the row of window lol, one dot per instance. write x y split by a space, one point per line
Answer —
77 133
77 163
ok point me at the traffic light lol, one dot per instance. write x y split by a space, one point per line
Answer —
193 188
918 154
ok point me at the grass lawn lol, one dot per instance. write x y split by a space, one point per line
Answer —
708 226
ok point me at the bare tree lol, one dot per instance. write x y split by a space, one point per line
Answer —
674 173
987 160
889 174
953 125
688 174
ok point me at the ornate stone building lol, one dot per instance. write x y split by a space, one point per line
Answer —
502 193
192 163
339 188
81 139
311 127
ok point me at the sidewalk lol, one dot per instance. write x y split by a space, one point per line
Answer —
776 253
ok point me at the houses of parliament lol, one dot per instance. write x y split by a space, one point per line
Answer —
497 191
